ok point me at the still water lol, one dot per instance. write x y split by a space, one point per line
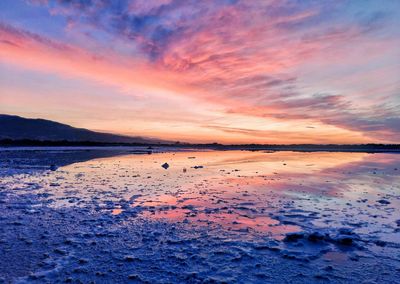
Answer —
253 199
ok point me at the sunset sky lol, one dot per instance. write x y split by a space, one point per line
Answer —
267 71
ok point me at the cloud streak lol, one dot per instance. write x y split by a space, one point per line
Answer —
282 62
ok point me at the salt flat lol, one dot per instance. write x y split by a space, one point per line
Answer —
209 217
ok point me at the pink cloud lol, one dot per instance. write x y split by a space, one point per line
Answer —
255 59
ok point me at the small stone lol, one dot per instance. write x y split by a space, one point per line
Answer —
315 237
83 261
165 165
320 276
383 201
60 251
354 258
380 243
133 277
129 258
293 237
346 231
346 241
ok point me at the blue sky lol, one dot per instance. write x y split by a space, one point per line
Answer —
233 71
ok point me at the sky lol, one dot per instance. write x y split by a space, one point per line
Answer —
227 71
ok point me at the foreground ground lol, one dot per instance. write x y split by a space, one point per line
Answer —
111 216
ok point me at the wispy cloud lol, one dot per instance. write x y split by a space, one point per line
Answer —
289 61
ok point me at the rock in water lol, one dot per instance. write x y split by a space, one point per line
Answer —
293 237
315 237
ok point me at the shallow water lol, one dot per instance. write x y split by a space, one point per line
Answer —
222 216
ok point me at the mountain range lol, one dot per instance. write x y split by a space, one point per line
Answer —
18 128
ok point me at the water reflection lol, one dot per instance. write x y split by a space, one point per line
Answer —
246 192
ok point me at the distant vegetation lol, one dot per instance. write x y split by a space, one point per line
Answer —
215 146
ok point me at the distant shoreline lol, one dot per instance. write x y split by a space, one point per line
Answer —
149 148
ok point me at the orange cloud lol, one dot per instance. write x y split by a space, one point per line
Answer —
240 71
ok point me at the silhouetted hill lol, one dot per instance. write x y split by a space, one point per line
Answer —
19 128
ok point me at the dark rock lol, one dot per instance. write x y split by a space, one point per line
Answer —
134 277
315 237
346 241
60 251
354 258
320 276
129 258
383 201
165 165
83 261
293 237
346 231
380 243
